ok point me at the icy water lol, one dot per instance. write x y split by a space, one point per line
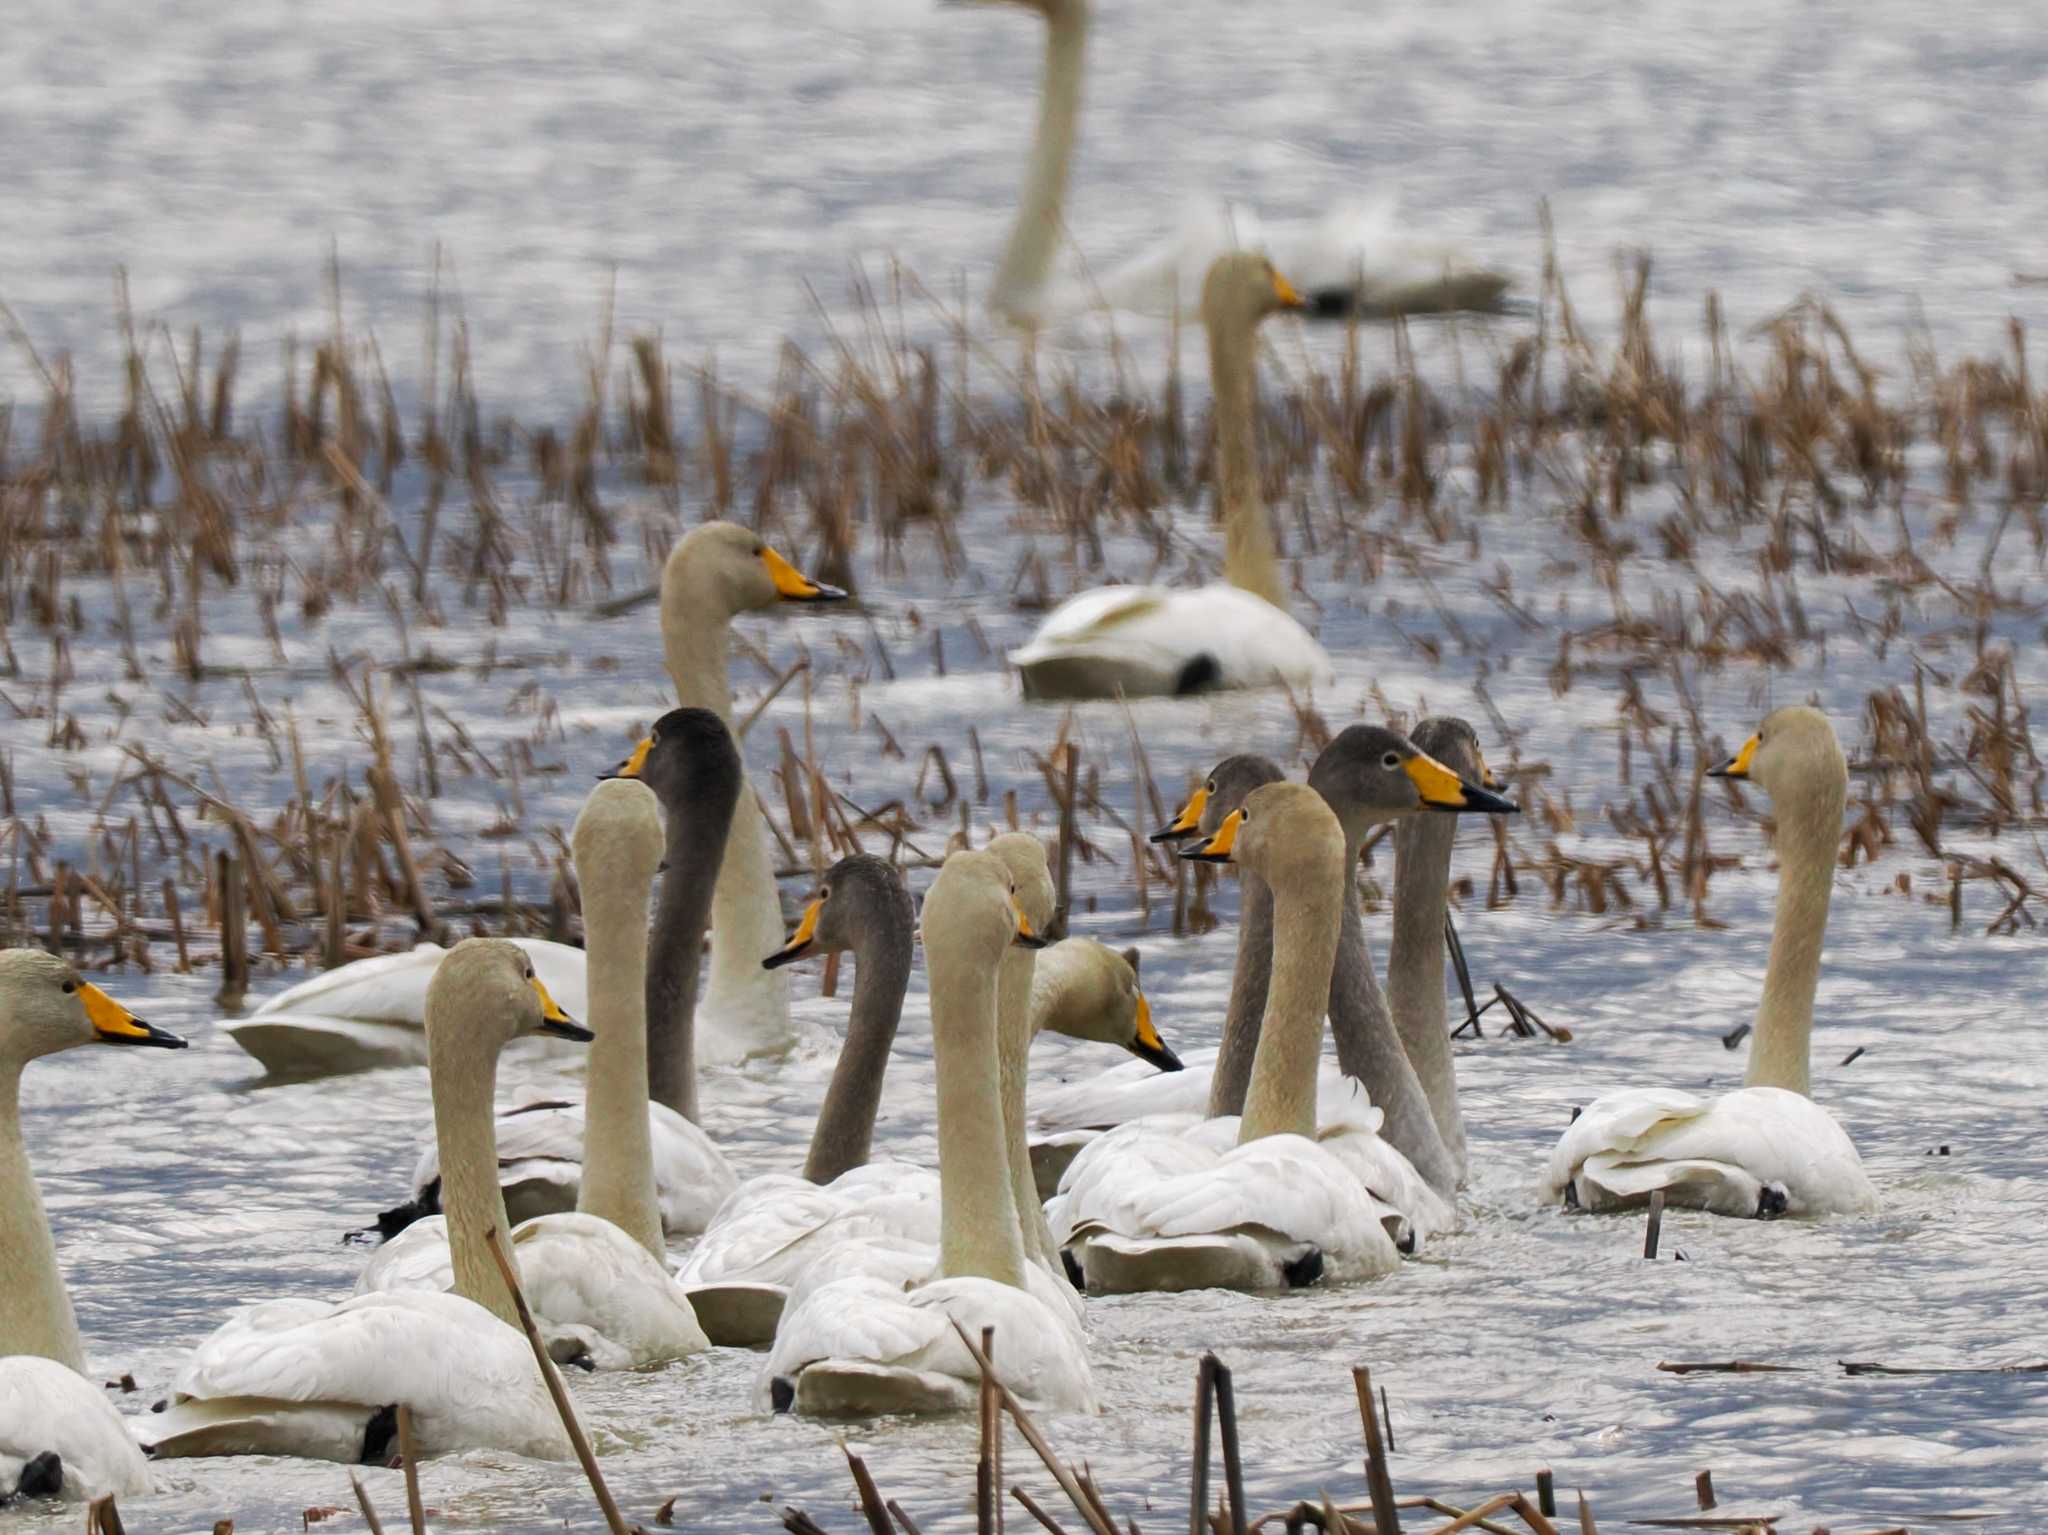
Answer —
721 160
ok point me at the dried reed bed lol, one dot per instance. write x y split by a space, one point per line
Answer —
198 546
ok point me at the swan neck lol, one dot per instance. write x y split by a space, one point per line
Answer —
845 1131
1015 984
1415 967
1281 1098
1249 561
618 1151
35 1309
1249 982
675 950
465 1133
1780 1047
979 1232
1027 260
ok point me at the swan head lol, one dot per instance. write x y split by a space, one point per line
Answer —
1096 996
971 913
1454 743
1023 855
618 834
1286 833
1794 755
720 569
485 994
1371 774
861 895
1242 288
46 1006
1219 794
689 760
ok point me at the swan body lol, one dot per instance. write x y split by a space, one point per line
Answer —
302 1377
47 1409
1232 634
1766 1149
861 1345
1163 640
371 1013
58 1433
1755 1151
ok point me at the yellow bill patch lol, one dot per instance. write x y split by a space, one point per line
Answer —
789 581
550 1010
1218 848
1738 766
632 766
109 1019
1283 290
1189 818
1437 784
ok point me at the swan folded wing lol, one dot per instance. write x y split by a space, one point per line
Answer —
299 1043
416 1261
392 988
1621 1123
1089 617
470 1380
1125 1092
1144 639
1385 1174
773 1229
44 1407
585 1274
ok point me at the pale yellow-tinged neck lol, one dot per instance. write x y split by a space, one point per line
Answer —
1307 908
1249 560
35 1309
1027 261
1809 835
463 1080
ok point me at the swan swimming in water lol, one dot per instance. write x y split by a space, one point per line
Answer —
59 1435
1233 633
1767 1148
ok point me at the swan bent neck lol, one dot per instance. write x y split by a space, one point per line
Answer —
844 1135
697 838
1249 560
35 1310
1025 270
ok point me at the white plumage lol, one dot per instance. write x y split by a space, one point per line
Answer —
1146 639
45 1407
301 1377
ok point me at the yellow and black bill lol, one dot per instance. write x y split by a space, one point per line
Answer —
1189 819
792 585
1738 766
1441 789
1284 291
1217 848
800 941
553 1020
634 764
113 1024
1026 938
1146 1044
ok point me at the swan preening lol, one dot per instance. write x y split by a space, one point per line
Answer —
59 1435
1767 1148
1350 263
1236 633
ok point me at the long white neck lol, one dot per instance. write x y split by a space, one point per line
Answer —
466 1134
745 1009
1016 984
1027 260
1281 1099
618 1151
1249 560
1808 840
1415 967
35 1311
978 1227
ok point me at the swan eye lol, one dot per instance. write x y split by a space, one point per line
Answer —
1391 760
70 987
1209 787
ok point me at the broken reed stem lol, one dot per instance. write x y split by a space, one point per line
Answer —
871 1505
1226 1423
1031 1507
553 1379
415 1509
103 1517
1656 1223
1198 1491
1385 1515
988 1467
363 1502
1060 1471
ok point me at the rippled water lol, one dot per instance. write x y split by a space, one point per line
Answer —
721 159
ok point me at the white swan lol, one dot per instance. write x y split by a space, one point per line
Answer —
863 1346
59 1435
1235 633
597 1278
368 1014
1351 262
309 1378
1271 1199
1767 1148
845 1214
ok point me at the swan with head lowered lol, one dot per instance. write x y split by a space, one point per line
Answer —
1235 633
59 1435
1767 1148
370 1013
597 1277
320 1380
846 1214
1352 262
688 759
864 1346
1266 1200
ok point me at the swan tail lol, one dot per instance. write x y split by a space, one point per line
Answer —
737 1315
239 1425
1119 1265
843 1388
